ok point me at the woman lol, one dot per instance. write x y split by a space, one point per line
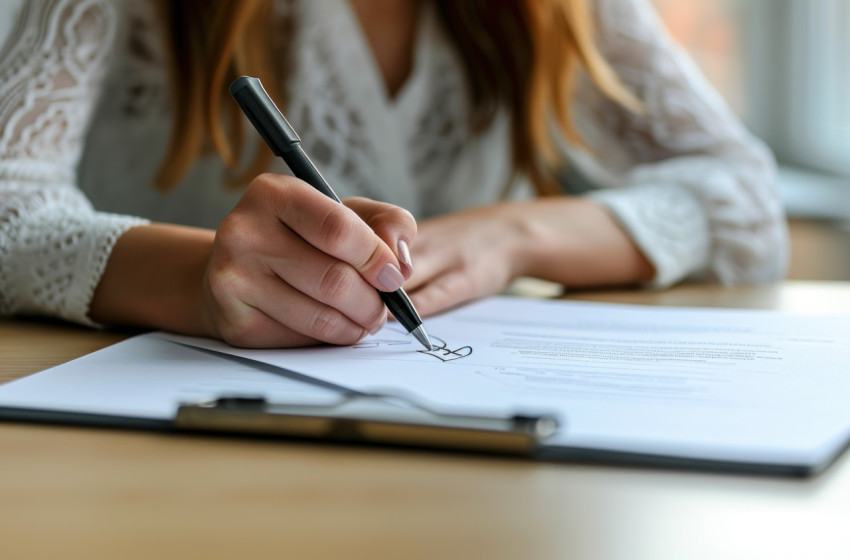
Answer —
459 112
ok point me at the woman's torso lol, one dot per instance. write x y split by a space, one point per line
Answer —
413 150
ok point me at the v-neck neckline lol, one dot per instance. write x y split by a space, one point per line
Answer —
386 125
414 80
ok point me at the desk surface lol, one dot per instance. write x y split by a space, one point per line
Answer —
73 493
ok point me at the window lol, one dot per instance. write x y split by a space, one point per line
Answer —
816 75
783 66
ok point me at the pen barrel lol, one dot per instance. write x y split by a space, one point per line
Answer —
399 305
264 115
279 135
281 138
303 168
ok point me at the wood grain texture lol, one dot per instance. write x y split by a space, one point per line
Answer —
30 346
819 250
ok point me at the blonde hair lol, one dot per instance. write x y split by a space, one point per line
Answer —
522 55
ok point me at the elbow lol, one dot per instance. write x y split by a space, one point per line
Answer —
756 255
751 243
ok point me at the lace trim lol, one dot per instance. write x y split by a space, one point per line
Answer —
53 57
54 270
688 141
34 171
50 71
688 153
334 131
667 224
142 87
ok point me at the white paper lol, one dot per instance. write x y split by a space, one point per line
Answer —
147 377
737 385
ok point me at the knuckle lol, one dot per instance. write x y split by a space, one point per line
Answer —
405 218
228 227
328 325
265 181
226 281
356 201
233 336
233 234
373 259
378 315
393 215
269 190
238 332
227 290
260 187
267 178
335 228
336 283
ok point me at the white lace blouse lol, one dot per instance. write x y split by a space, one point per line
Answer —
84 121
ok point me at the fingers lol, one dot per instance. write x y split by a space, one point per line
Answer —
429 265
251 328
329 281
335 230
266 311
291 267
301 313
444 291
395 226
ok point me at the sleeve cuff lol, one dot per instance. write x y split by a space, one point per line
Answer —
667 224
55 272
95 251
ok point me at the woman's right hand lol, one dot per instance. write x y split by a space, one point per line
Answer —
291 267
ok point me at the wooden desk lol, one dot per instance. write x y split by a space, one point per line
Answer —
86 493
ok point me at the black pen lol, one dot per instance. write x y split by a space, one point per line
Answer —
252 98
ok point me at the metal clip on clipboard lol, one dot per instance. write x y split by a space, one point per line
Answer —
369 418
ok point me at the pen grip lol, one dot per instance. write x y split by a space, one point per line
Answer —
399 305
397 302
281 138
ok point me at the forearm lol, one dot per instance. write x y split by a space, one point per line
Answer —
154 278
577 243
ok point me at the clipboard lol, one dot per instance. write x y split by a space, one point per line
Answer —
153 367
112 384
364 418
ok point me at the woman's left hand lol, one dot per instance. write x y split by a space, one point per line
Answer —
569 240
466 255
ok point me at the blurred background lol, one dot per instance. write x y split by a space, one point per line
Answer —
784 67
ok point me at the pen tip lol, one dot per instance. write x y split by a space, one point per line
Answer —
422 337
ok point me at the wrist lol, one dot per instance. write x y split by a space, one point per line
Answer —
576 242
518 234
533 238
154 278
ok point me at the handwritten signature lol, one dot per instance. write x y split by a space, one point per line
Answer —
444 354
439 350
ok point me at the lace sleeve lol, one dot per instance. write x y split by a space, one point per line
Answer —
692 187
53 245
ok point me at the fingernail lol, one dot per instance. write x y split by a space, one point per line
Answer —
390 278
404 257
